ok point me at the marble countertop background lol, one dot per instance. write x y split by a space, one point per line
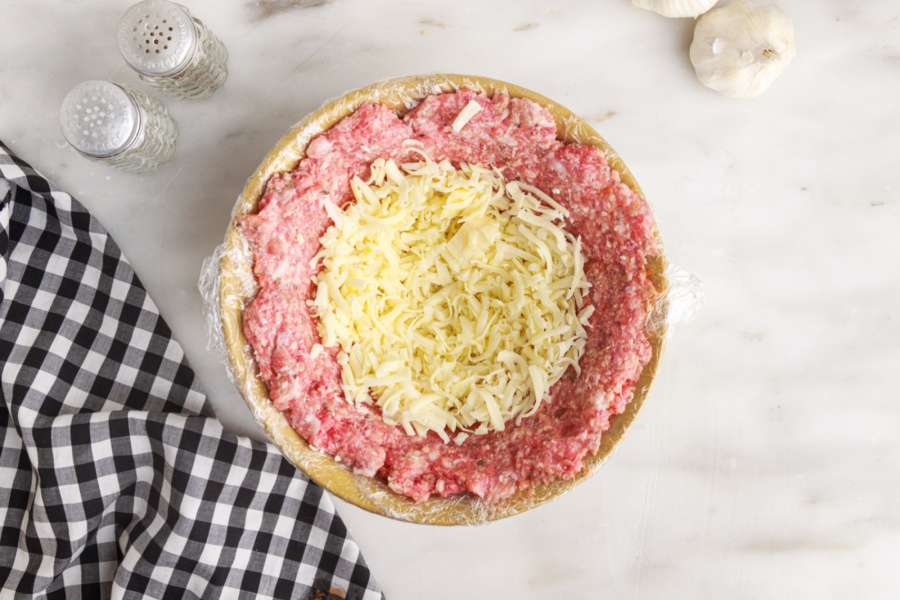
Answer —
766 461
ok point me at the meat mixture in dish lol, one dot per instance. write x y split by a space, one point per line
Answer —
519 138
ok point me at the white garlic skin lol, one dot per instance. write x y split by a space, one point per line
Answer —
740 49
676 8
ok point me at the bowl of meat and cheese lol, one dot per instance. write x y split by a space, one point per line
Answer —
443 297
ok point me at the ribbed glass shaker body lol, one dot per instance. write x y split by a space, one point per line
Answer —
156 142
171 50
121 127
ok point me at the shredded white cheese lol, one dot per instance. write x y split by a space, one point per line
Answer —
456 300
465 115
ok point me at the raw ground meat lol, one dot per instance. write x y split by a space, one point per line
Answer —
519 137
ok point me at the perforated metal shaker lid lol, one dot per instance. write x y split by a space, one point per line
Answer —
99 118
157 37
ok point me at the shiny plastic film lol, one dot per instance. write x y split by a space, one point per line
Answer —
227 285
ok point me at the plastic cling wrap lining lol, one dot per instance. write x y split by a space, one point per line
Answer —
227 284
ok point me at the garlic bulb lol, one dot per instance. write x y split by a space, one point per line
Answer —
676 8
739 49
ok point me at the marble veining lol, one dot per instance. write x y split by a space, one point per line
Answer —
766 462
273 8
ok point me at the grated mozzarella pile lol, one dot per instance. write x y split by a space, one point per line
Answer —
456 299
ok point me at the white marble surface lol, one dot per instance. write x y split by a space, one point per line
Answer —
766 463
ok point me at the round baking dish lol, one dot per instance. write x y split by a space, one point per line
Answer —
236 287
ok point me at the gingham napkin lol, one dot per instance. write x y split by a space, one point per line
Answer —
115 481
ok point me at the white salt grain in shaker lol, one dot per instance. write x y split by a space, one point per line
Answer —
172 50
122 127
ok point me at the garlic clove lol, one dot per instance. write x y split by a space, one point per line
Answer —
676 8
740 49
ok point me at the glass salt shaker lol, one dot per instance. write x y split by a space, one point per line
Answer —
172 50
121 127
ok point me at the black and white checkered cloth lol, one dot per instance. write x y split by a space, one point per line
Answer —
115 481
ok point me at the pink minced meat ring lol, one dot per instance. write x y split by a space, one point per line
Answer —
517 136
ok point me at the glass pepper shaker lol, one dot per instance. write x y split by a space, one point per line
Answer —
121 127
172 50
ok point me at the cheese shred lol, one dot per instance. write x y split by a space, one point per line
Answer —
456 300
465 115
